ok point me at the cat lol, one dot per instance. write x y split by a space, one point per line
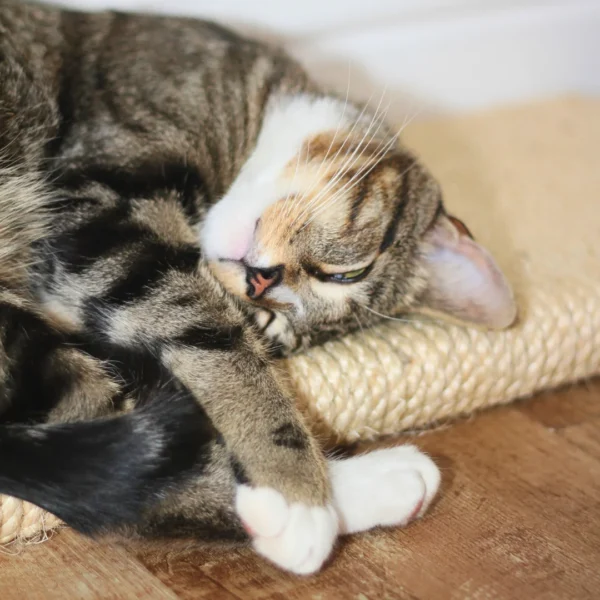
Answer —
180 205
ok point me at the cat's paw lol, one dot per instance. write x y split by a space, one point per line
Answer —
278 329
296 537
386 487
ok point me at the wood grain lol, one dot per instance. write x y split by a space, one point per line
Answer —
518 517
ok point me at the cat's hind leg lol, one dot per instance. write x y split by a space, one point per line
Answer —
392 486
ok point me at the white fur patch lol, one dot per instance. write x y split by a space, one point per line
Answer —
228 229
383 488
296 537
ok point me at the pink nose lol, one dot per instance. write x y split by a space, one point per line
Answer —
260 280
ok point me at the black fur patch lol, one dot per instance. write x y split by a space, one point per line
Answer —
290 436
152 262
144 180
392 228
101 474
358 201
78 249
30 342
211 338
71 25
238 471
139 371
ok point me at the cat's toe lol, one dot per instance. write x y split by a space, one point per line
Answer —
263 511
387 487
296 537
263 318
413 458
305 542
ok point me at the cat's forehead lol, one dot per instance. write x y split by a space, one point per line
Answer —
342 248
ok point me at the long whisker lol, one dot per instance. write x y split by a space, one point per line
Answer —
367 168
298 199
338 193
348 137
348 163
364 172
378 156
399 319
352 158
355 180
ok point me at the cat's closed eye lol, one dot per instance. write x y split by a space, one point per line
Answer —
352 276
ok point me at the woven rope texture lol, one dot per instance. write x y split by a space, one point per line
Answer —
527 183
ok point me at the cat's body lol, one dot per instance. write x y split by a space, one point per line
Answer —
187 199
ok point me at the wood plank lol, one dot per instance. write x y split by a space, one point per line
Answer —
524 509
585 436
69 567
180 567
519 518
571 405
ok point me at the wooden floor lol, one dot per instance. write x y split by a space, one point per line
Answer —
518 518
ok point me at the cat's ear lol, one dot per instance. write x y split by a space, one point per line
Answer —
464 281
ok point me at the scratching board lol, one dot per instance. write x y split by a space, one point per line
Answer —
527 182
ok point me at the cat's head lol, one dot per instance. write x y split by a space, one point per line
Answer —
333 224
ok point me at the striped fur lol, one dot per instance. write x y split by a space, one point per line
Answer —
133 332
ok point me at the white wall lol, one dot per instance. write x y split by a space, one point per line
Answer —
448 55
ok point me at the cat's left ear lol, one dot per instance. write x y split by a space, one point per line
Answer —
464 281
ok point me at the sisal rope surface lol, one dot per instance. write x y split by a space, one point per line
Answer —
527 183
25 521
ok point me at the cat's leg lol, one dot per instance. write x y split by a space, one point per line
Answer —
274 455
389 487
124 279
392 486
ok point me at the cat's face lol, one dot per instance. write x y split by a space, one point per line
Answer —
349 226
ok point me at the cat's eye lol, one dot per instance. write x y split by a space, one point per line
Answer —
347 277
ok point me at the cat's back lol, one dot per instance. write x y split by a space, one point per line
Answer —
47 36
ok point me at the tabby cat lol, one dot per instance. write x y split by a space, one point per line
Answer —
177 205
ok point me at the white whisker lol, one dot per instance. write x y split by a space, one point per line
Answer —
365 171
352 159
348 136
384 316
299 199
338 193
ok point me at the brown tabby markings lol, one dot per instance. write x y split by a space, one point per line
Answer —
137 125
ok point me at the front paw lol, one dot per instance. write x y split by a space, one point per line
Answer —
296 537
279 332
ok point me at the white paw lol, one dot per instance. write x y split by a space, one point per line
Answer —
277 329
387 487
296 537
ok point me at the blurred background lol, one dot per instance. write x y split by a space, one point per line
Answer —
429 55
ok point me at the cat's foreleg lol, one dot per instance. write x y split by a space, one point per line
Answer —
283 493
